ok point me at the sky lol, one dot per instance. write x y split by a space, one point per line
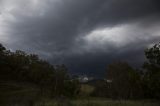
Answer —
85 35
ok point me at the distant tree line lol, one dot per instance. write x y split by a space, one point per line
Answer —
122 81
19 66
129 83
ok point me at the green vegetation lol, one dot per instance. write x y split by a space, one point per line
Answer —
27 80
126 82
129 83
97 102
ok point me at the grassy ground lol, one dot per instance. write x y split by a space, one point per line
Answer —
86 90
97 102
17 94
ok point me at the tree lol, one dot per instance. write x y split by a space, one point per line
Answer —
4 69
2 48
21 67
152 72
125 81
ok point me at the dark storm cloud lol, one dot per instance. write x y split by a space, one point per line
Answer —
95 63
74 32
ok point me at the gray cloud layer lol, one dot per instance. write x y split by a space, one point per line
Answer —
84 34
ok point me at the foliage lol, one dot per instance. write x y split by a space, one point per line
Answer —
20 67
126 83
101 89
152 72
27 76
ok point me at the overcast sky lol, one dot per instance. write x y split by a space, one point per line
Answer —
86 35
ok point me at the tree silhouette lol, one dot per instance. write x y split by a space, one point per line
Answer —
152 72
